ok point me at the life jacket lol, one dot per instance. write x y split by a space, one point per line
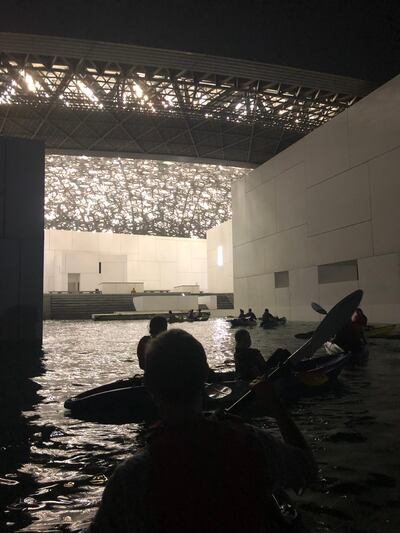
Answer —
209 477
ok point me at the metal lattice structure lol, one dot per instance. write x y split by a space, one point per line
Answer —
93 97
137 196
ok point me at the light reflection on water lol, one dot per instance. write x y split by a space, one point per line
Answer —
353 429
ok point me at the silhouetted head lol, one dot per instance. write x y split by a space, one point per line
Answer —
176 368
242 338
157 325
250 310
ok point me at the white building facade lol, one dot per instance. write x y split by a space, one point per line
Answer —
322 218
75 260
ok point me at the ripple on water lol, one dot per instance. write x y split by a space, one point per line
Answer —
352 427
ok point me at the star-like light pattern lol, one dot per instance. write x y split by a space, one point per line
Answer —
137 196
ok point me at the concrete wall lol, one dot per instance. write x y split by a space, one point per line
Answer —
21 244
333 196
160 262
220 277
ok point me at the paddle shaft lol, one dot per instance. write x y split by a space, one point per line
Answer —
298 354
328 327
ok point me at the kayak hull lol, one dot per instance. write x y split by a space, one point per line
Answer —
116 404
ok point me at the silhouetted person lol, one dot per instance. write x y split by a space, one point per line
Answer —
267 316
249 362
157 325
250 315
241 313
195 474
190 315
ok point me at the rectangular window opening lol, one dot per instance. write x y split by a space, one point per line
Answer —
338 272
220 256
99 267
281 279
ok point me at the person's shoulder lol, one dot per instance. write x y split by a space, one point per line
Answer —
134 467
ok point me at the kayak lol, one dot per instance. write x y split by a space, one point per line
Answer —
270 324
380 332
242 323
179 319
371 332
128 401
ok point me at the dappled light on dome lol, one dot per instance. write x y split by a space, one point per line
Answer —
137 196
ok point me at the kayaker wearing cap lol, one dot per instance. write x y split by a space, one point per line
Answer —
157 325
196 474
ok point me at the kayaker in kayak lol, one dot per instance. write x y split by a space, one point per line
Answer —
250 315
351 337
196 474
249 362
157 325
241 313
267 316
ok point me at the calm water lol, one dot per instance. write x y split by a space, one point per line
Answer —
353 429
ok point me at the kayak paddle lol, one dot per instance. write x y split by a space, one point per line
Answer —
319 309
334 321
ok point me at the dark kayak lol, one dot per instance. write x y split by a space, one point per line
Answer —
127 401
270 324
371 332
242 322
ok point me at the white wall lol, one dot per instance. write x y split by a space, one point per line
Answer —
160 262
220 278
333 196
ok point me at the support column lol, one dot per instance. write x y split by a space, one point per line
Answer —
21 248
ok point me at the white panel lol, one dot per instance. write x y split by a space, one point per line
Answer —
240 291
341 245
380 278
249 259
291 249
168 276
84 241
89 282
198 248
282 302
109 243
147 248
148 270
60 239
385 196
327 150
82 262
240 218
303 284
254 294
261 207
113 271
129 244
290 157
374 125
339 202
184 256
166 249
187 278
290 198
254 178
331 293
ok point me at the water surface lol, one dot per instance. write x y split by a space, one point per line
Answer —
353 429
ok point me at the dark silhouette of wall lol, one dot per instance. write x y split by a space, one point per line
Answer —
21 246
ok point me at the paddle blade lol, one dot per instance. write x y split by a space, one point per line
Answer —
330 325
317 308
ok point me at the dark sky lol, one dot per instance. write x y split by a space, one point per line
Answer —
359 38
